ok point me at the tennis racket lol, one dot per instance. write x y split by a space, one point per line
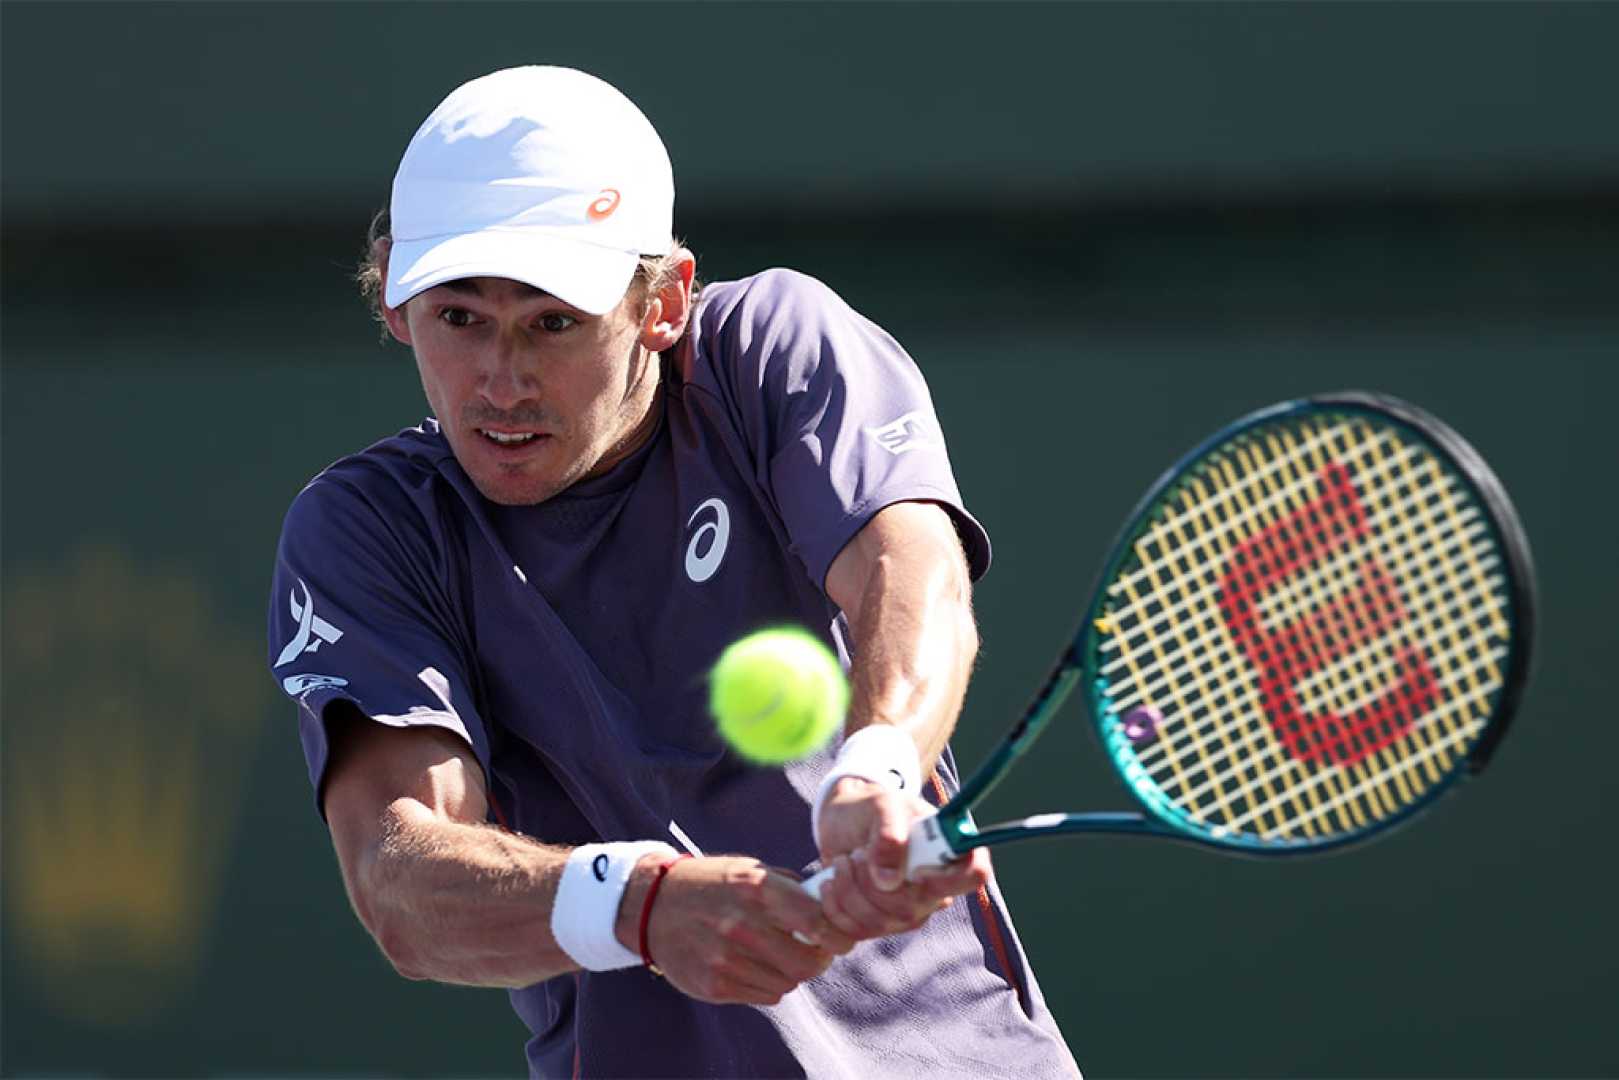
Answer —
1310 628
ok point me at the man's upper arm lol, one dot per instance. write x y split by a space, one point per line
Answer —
363 620
920 531
381 777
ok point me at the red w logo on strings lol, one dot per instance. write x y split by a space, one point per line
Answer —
1284 655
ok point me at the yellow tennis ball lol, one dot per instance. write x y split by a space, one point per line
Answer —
777 695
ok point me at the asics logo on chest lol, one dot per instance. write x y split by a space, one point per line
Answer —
706 548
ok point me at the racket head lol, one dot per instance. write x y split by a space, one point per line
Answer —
1310 627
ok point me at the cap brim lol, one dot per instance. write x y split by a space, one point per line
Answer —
587 276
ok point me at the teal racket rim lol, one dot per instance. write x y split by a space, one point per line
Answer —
1082 661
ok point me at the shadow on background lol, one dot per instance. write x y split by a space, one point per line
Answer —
1103 230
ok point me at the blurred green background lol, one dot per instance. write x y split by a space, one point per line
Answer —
1102 230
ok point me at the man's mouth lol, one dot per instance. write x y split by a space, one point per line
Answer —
509 438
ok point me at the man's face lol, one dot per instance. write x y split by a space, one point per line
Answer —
532 394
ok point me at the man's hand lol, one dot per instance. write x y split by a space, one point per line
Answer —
864 829
722 930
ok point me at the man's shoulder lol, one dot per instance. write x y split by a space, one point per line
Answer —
745 327
396 480
770 295
403 460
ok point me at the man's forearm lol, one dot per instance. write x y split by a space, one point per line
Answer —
904 586
915 643
461 903
471 904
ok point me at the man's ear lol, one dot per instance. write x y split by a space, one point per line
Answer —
670 307
393 318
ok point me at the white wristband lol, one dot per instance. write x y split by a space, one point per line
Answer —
881 753
586 906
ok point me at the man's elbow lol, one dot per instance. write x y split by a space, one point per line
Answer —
397 932
400 948
374 892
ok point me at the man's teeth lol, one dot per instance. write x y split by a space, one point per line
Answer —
509 439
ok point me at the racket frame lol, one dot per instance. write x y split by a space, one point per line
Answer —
1077 664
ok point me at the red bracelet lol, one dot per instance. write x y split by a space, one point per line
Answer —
646 912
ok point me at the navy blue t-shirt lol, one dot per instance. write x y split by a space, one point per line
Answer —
567 643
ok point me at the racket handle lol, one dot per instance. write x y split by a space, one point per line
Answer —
925 847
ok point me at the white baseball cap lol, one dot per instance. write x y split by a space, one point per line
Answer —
544 175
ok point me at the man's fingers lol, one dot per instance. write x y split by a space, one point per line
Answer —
742 984
869 895
801 917
772 951
965 875
886 859
825 937
885 851
874 911
845 908
758 964
722 932
775 966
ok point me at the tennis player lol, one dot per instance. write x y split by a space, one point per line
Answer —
495 626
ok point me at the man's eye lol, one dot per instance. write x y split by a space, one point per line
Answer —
554 322
456 316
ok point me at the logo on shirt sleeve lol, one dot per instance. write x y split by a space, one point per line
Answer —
903 435
298 685
312 630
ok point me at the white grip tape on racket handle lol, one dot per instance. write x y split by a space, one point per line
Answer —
924 847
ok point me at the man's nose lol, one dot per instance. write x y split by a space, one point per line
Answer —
511 371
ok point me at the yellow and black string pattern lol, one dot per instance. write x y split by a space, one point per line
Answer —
1309 634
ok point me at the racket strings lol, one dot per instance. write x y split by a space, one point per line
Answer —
1288 813
1149 680
1152 679
1402 751
1257 751
1218 540
1379 735
1230 749
1236 764
1234 505
1148 615
1430 577
1379 636
1372 755
1287 548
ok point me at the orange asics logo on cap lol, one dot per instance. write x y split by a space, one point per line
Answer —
604 205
